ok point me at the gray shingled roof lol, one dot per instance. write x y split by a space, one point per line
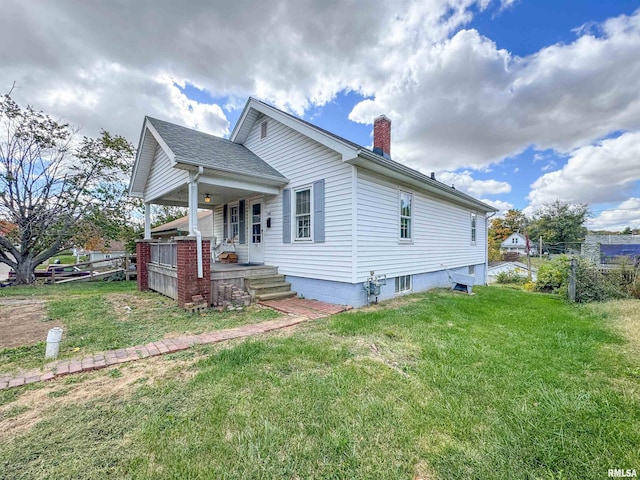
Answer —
198 148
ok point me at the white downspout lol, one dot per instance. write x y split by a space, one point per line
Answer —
193 217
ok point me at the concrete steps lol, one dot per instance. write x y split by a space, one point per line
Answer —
268 287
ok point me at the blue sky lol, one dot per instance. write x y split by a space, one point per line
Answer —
516 102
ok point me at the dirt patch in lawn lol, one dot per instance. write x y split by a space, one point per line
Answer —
23 322
625 321
125 303
122 381
131 306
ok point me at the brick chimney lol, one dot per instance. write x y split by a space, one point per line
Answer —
382 136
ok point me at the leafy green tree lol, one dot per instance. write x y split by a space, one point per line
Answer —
560 223
627 231
162 214
56 190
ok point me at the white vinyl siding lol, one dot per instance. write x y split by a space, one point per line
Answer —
440 237
163 177
304 161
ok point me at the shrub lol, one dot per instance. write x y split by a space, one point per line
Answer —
594 286
553 275
511 256
591 284
510 277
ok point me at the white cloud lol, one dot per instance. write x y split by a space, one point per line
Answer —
502 206
456 100
64 54
464 182
626 214
464 102
605 172
549 166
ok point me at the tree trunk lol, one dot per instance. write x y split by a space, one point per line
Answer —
25 274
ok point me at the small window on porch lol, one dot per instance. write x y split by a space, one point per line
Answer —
234 227
263 129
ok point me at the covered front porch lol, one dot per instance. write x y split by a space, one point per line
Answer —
167 268
177 166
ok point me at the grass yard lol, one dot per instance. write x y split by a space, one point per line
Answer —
500 385
99 316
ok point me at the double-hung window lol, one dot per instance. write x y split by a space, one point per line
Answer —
303 214
234 218
473 227
406 212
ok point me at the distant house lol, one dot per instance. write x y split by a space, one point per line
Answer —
519 268
516 242
106 251
180 227
324 211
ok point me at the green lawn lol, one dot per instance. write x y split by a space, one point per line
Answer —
503 384
99 316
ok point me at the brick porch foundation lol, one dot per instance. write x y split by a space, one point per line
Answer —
189 285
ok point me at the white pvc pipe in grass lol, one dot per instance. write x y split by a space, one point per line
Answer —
53 342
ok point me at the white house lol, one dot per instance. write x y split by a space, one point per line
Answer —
326 211
516 242
112 250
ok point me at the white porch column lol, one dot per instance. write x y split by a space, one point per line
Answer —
147 221
193 216
193 207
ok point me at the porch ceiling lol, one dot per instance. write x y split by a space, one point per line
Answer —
219 195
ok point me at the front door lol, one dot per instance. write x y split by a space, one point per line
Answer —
256 241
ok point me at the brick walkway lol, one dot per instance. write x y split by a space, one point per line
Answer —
309 308
124 355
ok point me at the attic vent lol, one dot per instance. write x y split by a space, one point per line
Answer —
263 129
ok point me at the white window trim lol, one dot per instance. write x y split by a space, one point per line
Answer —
406 290
229 227
264 124
406 241
294 216
473 228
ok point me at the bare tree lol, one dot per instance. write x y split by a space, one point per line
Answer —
54 189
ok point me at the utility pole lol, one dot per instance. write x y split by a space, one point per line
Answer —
540 244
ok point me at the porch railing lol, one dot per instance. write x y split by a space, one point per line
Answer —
165 254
